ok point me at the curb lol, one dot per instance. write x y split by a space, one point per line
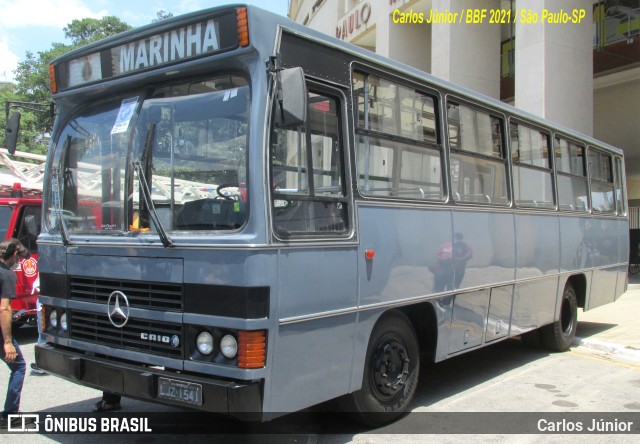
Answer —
608 347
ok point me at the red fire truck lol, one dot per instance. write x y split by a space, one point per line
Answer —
20 214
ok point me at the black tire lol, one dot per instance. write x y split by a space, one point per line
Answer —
559 335
634 268
390 375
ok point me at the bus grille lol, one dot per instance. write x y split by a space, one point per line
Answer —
149 295
96 328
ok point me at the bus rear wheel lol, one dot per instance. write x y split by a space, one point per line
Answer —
390 373
559 335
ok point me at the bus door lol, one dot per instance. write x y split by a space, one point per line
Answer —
312 224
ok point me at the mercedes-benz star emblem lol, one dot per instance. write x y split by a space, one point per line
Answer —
118 309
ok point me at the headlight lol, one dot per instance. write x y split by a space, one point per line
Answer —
63 321
229 346
204 342
53 319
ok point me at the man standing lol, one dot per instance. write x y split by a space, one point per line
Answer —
11 251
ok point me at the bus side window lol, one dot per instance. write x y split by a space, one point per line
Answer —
601 181
478 162
571 175
398 152
307 167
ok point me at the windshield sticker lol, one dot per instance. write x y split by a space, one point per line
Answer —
124 115
230 94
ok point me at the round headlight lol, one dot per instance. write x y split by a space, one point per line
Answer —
63 321
229 346
204 342
53 319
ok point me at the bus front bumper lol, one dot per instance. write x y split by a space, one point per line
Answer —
239 399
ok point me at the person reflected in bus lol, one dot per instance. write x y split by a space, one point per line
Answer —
451 263
462 253
442 269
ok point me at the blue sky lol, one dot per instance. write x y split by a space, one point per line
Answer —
33 25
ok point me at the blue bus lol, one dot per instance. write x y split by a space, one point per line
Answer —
242 215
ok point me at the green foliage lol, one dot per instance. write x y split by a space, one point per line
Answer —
87 30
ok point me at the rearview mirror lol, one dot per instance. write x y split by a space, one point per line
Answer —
13 128
293 97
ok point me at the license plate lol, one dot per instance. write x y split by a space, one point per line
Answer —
181 391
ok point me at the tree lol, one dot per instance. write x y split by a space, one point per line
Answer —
87 30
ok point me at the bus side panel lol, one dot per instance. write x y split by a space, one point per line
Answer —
312 362
574 247
538 249
407 243
489 240
534 304
316 280
312 358
604 251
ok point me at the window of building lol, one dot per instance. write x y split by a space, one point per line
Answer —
398 152
478 162
532 175
572 175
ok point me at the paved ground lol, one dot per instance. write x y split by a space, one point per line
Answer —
614 328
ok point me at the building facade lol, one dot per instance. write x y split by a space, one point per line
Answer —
575 62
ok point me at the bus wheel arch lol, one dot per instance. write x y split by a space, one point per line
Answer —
391 368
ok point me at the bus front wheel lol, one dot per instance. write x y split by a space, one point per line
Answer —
559 335
390 372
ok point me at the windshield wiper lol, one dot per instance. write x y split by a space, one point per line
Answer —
146 195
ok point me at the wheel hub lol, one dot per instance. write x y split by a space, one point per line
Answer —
390 368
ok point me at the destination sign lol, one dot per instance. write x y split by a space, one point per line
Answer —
196 39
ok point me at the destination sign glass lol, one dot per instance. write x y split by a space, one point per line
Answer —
153 50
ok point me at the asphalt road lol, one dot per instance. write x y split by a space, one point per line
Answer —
506 377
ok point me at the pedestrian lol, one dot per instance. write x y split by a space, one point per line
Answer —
11 251
109 403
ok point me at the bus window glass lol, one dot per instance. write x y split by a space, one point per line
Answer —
571 172
532 176
474 131
478 180
478 167
419 176
191 142
87 191
570 157
417 116
307 167
601 181
621 202
403 159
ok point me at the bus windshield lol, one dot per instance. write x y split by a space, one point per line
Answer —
173 159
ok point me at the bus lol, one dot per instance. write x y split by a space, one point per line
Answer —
282 219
